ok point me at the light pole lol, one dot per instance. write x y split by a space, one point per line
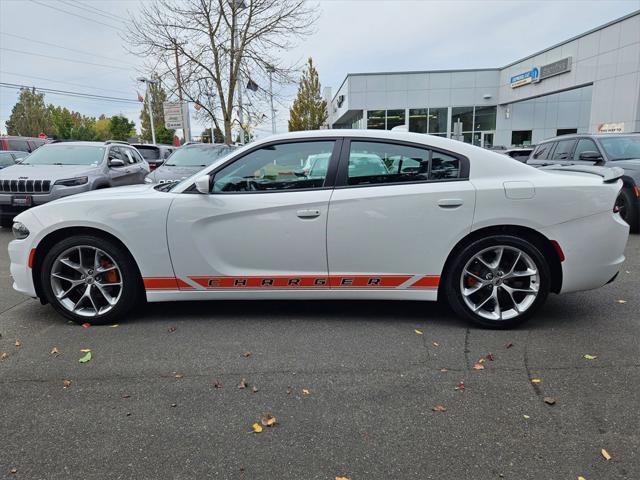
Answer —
270 69
148 81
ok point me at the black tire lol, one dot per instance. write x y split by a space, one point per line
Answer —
130 278
628 207
453 280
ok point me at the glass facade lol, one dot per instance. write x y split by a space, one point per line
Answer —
376 119
438 120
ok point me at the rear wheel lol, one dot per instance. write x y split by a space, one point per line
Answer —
498 282
90 279
628 208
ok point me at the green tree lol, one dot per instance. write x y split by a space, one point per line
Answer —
29 116
218 136
101 128
309 109
157 96
69 125
121 128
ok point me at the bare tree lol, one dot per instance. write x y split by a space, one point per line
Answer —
215 44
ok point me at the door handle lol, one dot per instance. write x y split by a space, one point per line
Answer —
450 202
308 213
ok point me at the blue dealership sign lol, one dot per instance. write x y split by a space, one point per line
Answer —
525 78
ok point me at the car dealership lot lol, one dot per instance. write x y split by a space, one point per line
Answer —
147 406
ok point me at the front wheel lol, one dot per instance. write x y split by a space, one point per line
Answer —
90 279
498 281
628 208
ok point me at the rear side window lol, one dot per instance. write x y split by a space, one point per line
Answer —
563 150
6 159
375 163
21 145
542 151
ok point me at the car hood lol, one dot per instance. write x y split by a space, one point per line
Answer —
165 173
45 172
627 164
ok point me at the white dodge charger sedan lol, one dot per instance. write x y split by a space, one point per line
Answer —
344 214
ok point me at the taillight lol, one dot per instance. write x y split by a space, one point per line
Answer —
636 190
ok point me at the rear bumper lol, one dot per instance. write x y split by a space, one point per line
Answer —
593 247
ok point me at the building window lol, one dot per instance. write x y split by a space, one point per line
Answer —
375 119
485 118
395 118
566 131
418 120
521 137
464 115
438 121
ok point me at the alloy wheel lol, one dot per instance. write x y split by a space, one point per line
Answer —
500 283
86 281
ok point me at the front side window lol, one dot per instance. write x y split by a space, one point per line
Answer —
373 163
584 145
288 166
563 150
60 154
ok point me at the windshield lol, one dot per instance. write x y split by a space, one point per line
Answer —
66 155
621 148
197 156
149 153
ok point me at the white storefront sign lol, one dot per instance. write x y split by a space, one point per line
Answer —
175 114
611 127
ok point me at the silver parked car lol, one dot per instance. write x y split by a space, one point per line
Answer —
60 169
187 160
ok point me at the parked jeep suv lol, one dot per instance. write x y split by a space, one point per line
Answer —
60 169
611 150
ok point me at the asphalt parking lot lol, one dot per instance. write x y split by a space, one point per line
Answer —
352 386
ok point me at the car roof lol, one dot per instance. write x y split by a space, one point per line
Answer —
85 144
14 151
208 145
589 135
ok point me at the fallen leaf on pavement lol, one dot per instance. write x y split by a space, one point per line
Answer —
85 358
115 325
66 383
268 420
580 477
621 301
305 392
86 325
13 471
418 332
174 405
126 395
590 357
171 329
256 427
254 389
85 350
489 356
18 343
242 384
536 381
3 355
179 375
478 366
343 478
444 370
289 390
435 344
460 386
605 454
526 417
508 345
217 384
54 351
549 400
439 408
481 360
246 354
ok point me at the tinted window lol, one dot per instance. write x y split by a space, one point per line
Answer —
374 163
197 156
21 145
584 145
621 148
149 153
115 152
136 155
563 150
60 154
275 168
542 151
6 159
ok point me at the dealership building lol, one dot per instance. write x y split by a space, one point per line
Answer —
589 83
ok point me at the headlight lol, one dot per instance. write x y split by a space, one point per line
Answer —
20 231
72 182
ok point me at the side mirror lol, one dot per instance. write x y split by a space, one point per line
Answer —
590 156
300 173
203 184
116 162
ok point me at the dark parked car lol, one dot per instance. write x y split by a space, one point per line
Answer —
611 150
10 157
21 144
521 154
154 154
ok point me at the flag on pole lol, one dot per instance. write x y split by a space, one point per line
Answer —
140 97
253 86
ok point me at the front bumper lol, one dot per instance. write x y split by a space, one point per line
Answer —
19 251
9 210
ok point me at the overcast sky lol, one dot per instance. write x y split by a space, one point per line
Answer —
350 36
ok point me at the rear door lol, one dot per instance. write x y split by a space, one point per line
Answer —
395 214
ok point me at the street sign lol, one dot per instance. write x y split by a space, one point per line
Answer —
42 136
176 114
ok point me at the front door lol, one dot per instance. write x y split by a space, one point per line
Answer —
396 213
123 175
262 226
